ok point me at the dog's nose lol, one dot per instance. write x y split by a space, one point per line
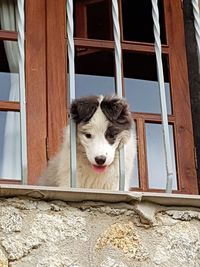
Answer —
100 160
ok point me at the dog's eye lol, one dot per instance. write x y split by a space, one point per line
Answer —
87 135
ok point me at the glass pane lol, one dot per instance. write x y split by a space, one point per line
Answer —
9 71
141 83
10 152
8 15
138 23
94 72
156 156
134 182
93 20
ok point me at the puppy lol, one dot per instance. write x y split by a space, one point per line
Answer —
104 125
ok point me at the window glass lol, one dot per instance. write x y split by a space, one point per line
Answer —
156 156
141 83
138 23
10 152
134 182
8 15
94 72
93 19
9 72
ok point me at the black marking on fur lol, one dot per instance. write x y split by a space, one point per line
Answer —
84 108
117 112
111 134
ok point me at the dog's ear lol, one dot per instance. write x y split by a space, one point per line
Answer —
116 110
84 108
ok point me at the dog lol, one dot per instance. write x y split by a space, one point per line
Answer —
104 125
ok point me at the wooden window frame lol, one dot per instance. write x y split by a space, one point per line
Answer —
36 87
46 83
6 106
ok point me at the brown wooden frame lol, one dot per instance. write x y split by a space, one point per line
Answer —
46 84
180 94
36 86
56 73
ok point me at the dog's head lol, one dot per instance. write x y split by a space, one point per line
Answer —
103 125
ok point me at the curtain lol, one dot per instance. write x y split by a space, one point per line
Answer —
10 166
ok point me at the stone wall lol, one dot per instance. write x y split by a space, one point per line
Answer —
91 234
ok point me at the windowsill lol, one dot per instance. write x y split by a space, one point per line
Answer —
78 195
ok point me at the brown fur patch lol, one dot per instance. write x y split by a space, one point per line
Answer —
84 108
117 112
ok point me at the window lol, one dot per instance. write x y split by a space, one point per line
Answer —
12 130
94 61
46 81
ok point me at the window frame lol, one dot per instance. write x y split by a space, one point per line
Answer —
36 86
46 88
18 106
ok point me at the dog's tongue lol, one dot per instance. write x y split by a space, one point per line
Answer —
98 169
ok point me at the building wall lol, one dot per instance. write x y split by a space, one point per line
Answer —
91 234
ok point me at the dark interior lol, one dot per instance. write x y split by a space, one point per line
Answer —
138 22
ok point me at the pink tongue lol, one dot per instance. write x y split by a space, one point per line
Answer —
98 169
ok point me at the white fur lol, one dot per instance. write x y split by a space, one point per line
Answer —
58 171
97 145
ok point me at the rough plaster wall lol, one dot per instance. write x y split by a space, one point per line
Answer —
59 234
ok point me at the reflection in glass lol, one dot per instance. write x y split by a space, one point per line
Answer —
144 96
134 182
8 15
10 152
141 85
156 156
9 71
138 23
94 72
93 85
93 19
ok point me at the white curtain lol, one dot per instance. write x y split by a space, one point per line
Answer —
10 166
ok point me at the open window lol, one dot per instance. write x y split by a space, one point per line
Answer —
47 90
93 19
94 61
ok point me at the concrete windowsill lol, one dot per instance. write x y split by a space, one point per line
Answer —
78 195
